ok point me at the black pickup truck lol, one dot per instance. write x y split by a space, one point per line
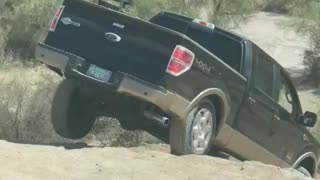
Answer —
192 84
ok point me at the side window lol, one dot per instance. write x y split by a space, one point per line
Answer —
285 96
264 74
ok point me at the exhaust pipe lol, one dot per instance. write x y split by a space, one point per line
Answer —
164 121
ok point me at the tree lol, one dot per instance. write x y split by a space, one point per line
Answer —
308 22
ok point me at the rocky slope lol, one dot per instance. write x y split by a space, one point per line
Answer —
43 162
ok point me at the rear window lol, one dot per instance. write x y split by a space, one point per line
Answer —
223 46
171 23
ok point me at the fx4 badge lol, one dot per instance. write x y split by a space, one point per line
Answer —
204 67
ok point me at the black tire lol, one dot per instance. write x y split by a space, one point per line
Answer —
181 131
304 171
73 114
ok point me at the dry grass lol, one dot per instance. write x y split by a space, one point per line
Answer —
25 103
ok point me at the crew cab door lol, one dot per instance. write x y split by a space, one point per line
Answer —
287 133
257 112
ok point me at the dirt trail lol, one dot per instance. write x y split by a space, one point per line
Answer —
44 162
270 31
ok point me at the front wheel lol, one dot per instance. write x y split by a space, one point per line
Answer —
196 133
73 114
304 171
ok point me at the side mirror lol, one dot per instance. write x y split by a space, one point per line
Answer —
309 119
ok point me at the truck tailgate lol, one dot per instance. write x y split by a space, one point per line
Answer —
114 40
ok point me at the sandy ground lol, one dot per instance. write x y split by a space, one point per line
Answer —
44 162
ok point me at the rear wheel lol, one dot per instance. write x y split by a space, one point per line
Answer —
195 134
73 114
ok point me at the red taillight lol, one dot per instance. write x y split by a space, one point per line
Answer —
56 18
180 61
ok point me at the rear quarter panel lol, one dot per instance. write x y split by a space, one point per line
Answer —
208 71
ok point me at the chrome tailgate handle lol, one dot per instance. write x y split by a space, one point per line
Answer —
68 21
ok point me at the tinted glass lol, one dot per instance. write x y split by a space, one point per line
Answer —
171 23
227 49
264 73
198 34
285 97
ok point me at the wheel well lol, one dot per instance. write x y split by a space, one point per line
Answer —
308 164
217 102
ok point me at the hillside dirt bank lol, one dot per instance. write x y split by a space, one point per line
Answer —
44 162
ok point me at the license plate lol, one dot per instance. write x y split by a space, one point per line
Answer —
99 73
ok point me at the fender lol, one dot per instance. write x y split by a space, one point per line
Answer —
303 157
225 109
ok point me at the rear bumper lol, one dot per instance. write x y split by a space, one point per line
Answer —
75 67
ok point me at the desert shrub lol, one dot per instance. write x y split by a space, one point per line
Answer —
312 63
25 105
308 22
224 13
24 23
278 6
25 112
286 6
316 130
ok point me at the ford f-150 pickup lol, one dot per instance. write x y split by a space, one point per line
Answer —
192 84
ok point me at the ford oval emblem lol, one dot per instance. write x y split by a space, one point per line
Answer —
112 37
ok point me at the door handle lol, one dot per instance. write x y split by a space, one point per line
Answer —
252 101
68 21
276 117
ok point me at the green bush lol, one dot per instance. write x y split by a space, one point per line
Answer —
312 58
308 22
316 130
278 6
24 23
225 13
